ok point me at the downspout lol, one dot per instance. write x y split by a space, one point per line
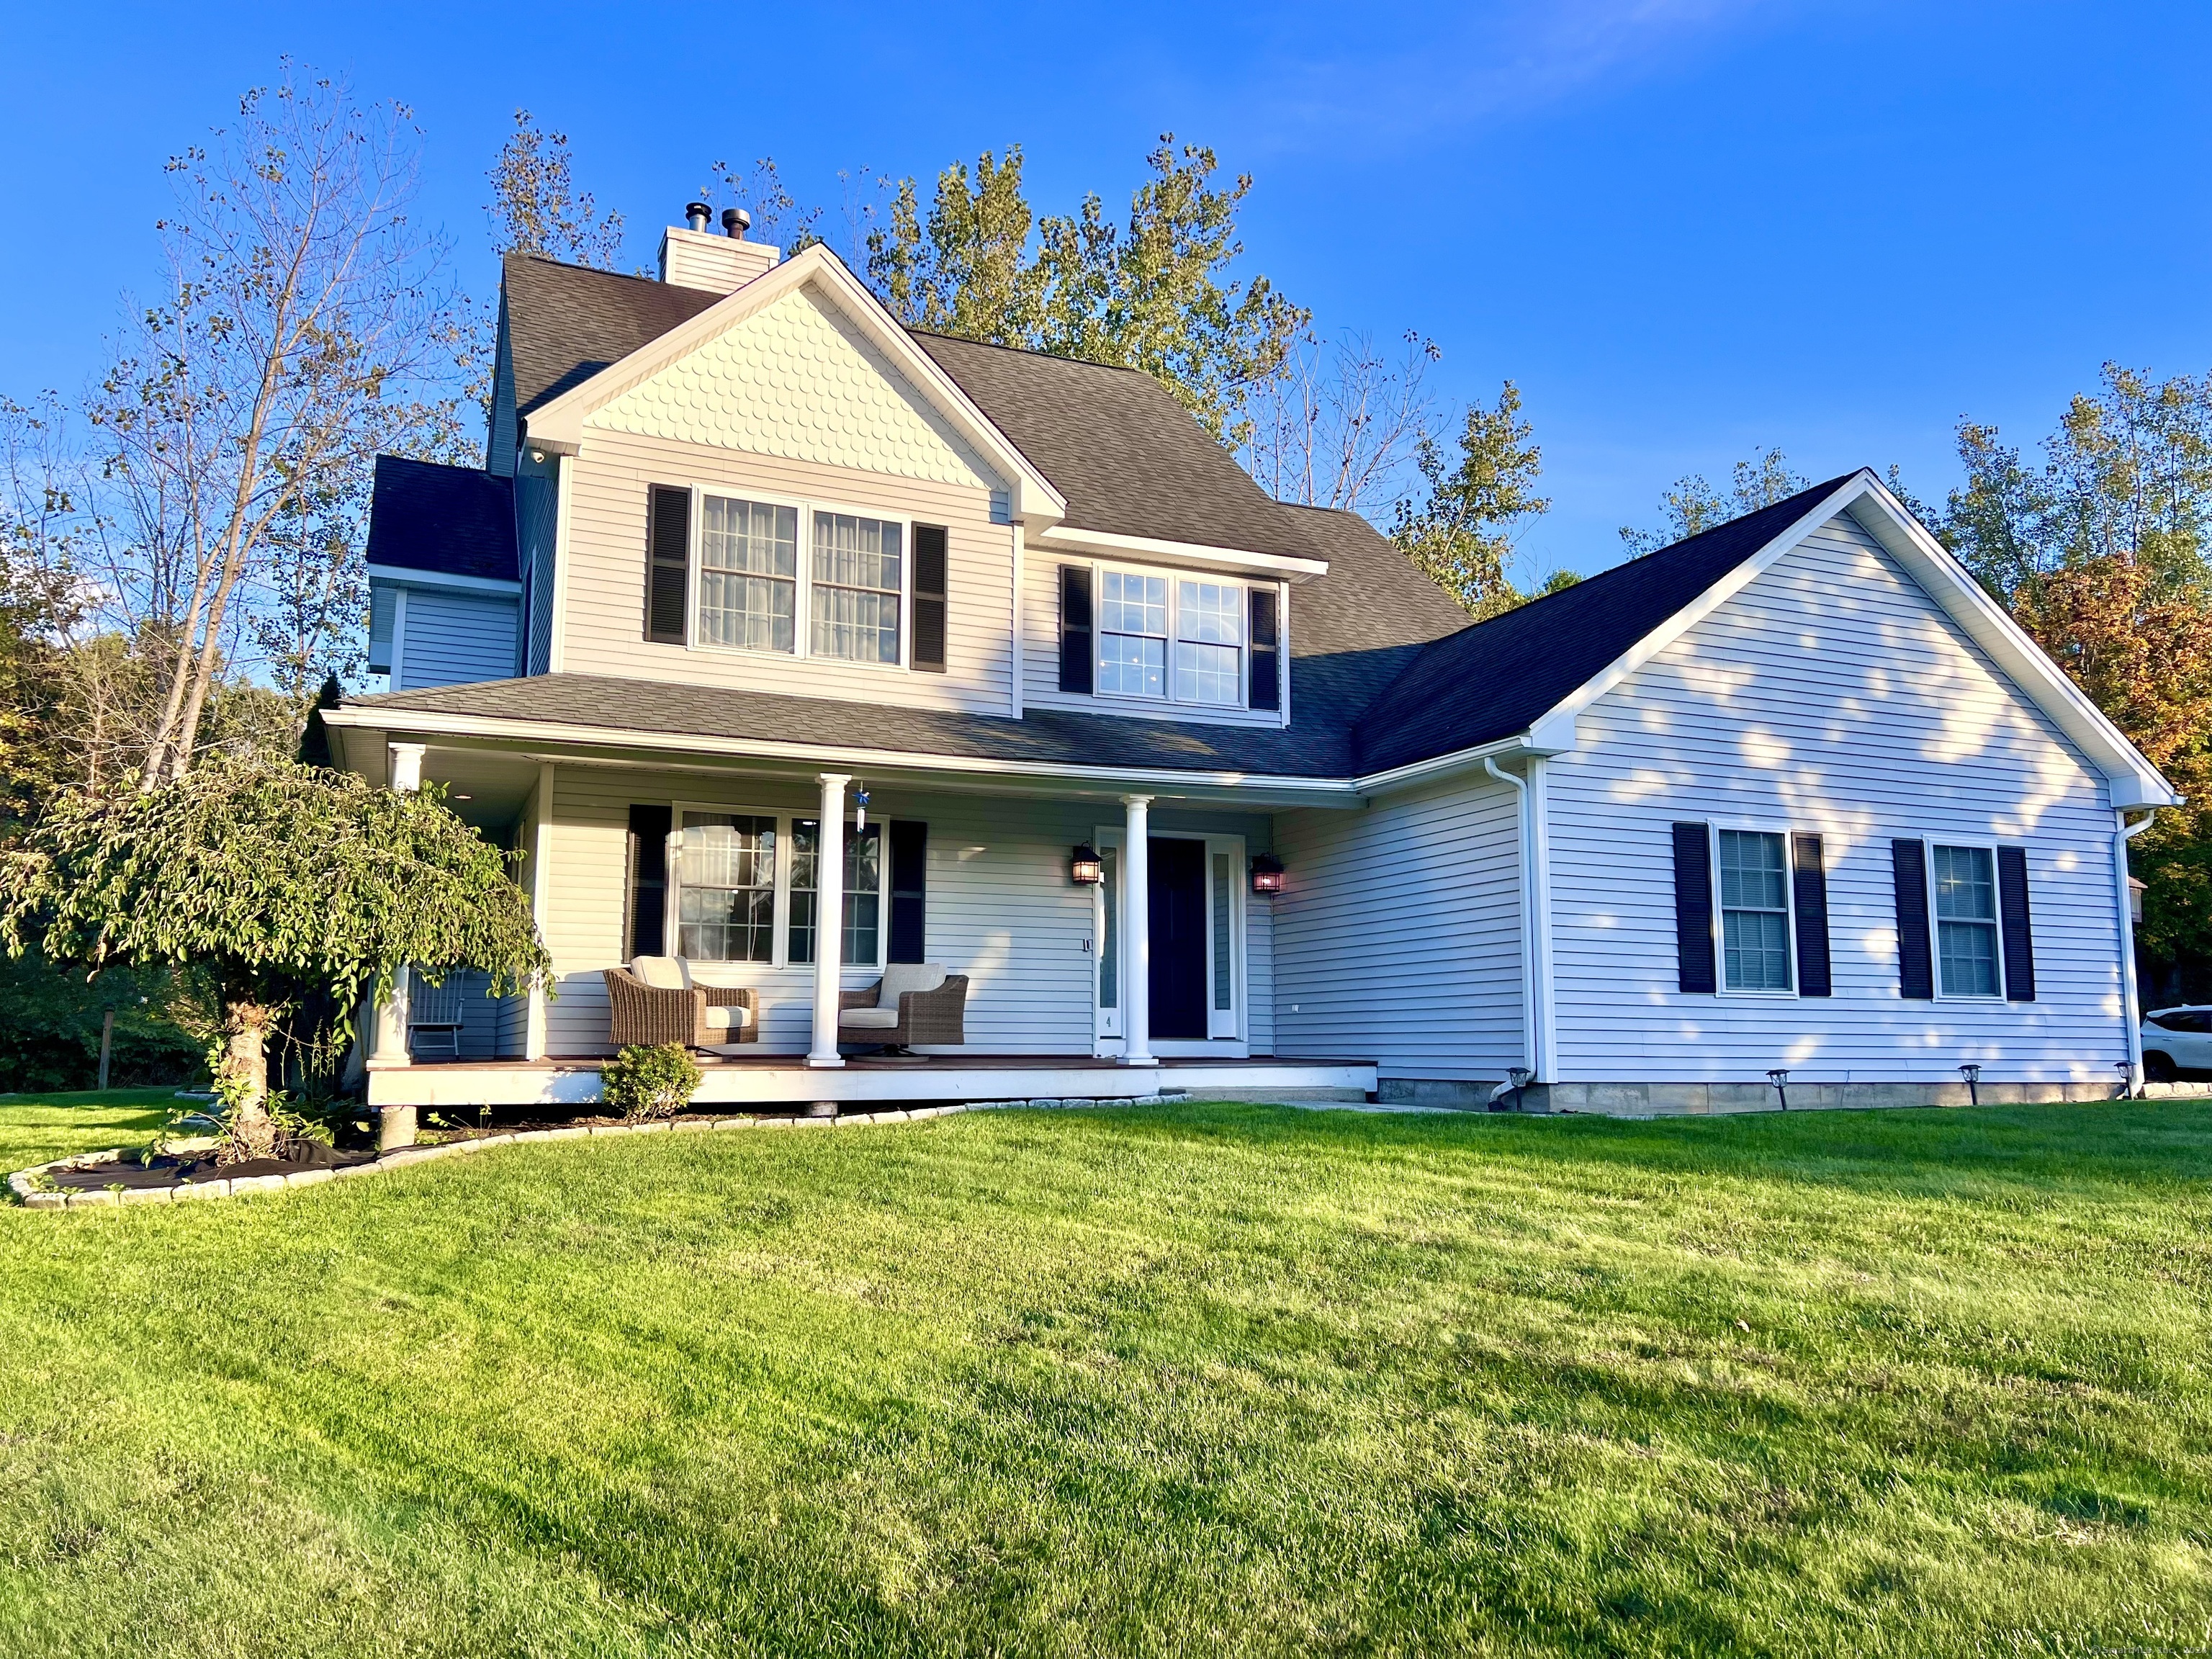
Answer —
1535 933
2130 995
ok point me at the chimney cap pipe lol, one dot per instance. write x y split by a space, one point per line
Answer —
735 222
697 214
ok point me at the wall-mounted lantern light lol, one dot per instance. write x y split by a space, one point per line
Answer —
1084 868
1267 874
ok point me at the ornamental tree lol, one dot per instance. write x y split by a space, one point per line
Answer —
285 883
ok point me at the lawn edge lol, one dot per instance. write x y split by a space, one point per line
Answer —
23 1185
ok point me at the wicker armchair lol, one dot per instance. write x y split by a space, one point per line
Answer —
937 1017
650 1015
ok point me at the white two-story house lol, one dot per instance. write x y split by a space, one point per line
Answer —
765 608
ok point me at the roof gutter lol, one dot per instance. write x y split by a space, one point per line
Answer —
1554 734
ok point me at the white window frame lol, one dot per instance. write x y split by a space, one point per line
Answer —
882 896
1174 578
1757 827
1984 999
803 618
786 820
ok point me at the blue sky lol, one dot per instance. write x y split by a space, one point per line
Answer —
1686 228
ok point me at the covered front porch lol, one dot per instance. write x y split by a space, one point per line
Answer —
1107 928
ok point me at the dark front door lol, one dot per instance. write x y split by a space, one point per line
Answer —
1177 879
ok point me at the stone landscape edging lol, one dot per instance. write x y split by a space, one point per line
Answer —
23 1184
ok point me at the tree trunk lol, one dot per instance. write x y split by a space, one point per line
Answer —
245 1082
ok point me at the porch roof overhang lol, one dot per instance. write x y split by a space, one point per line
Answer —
361 732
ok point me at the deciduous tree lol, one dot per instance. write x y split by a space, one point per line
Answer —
283 882
1462 534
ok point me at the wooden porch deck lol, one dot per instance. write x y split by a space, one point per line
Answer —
774 1079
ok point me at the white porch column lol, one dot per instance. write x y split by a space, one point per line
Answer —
403 766
1137 930
829 918
396 1124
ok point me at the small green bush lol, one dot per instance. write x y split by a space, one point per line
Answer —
642 1083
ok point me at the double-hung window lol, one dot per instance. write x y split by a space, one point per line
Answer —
1755 911
1133 634
1209 654
726 869
1966 920
864 891
857 584
748 574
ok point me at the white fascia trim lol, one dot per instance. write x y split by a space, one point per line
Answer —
559 425
1075 539
1166 779
398 575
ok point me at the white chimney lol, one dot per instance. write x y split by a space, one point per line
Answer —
695 257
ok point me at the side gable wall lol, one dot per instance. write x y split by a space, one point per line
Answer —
1832 695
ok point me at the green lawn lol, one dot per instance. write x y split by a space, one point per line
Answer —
1202 1380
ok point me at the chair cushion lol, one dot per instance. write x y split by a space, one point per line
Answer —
662 973
870 1019
902 976
728 1019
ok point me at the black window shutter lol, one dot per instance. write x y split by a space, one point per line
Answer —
1075 651
1266 649
929 583
2012 910
1916 966
1693 907
1809 879
910 892
648 879
668 564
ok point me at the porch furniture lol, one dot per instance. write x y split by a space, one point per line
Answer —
653 1001
434 1016
913 1002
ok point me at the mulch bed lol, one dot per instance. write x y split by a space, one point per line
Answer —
168 1170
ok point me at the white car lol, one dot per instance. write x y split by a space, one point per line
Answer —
2176 1040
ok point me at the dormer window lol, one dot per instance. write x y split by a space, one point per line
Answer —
1133 634
1170 638
1209 656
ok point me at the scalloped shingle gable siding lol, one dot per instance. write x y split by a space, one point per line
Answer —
797 381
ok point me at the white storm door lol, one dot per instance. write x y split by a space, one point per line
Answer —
1107 971
1225 937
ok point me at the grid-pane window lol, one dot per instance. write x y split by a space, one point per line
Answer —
1755 911
1133 634
1966 920
748 574
1209 655
726 869
864 891
859 577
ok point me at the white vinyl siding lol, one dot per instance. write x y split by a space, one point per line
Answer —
1398 935
1831 695
450 637
605 584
